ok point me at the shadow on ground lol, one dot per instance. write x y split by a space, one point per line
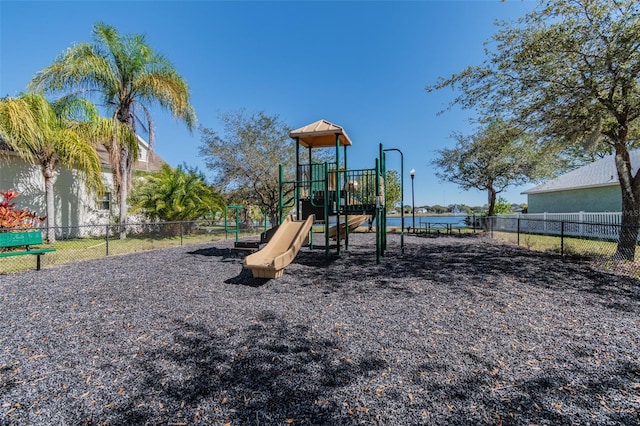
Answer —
225 253
276 372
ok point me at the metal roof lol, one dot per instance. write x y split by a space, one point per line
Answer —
321 134
599 173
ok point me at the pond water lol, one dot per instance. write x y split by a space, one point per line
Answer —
421 221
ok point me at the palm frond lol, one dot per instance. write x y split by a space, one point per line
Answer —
78 66
170 91
18 127
74 152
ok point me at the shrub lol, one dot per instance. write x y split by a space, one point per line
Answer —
11 217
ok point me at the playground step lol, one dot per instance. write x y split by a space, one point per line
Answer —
248 245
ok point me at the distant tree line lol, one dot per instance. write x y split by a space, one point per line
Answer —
501 206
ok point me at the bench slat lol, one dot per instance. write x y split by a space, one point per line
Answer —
19 253
14 239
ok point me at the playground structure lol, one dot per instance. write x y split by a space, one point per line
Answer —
329 193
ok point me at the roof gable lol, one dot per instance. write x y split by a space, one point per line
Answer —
599 173
321 134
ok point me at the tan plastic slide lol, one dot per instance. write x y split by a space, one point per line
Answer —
281 250
354 223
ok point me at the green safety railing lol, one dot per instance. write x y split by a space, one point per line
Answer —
236 228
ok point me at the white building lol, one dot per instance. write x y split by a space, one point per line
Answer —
73 204
591 188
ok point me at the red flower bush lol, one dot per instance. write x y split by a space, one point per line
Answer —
10 217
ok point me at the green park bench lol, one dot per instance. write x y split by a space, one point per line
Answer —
12 240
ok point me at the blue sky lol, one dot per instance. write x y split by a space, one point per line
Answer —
362 65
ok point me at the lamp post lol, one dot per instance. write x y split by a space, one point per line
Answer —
412 172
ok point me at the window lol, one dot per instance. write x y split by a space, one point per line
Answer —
105 202
142 154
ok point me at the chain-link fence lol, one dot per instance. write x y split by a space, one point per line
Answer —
596 241
84 242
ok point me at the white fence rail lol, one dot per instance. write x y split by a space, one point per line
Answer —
596 225
609 218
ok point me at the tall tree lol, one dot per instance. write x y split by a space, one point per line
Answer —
570 70
130 77
495 158
175 195
246 155
62 133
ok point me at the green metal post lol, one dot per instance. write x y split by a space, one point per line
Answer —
326 210
311 176
401 201
296 188
281 209
383 220
337 192
226 230
346 213
237 218
378 207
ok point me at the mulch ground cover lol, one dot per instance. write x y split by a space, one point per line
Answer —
457 330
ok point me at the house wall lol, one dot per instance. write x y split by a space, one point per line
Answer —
73 204
600 199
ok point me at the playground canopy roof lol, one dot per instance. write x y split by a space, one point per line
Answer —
320 134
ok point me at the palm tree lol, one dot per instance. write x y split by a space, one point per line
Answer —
176 195
130 77
54 134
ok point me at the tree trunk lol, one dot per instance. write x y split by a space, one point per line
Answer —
49 176
492 202
628 239
274 220
630 189
124 189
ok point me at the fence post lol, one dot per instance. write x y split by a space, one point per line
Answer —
181 233
107 240
562 238
518 232
581 220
